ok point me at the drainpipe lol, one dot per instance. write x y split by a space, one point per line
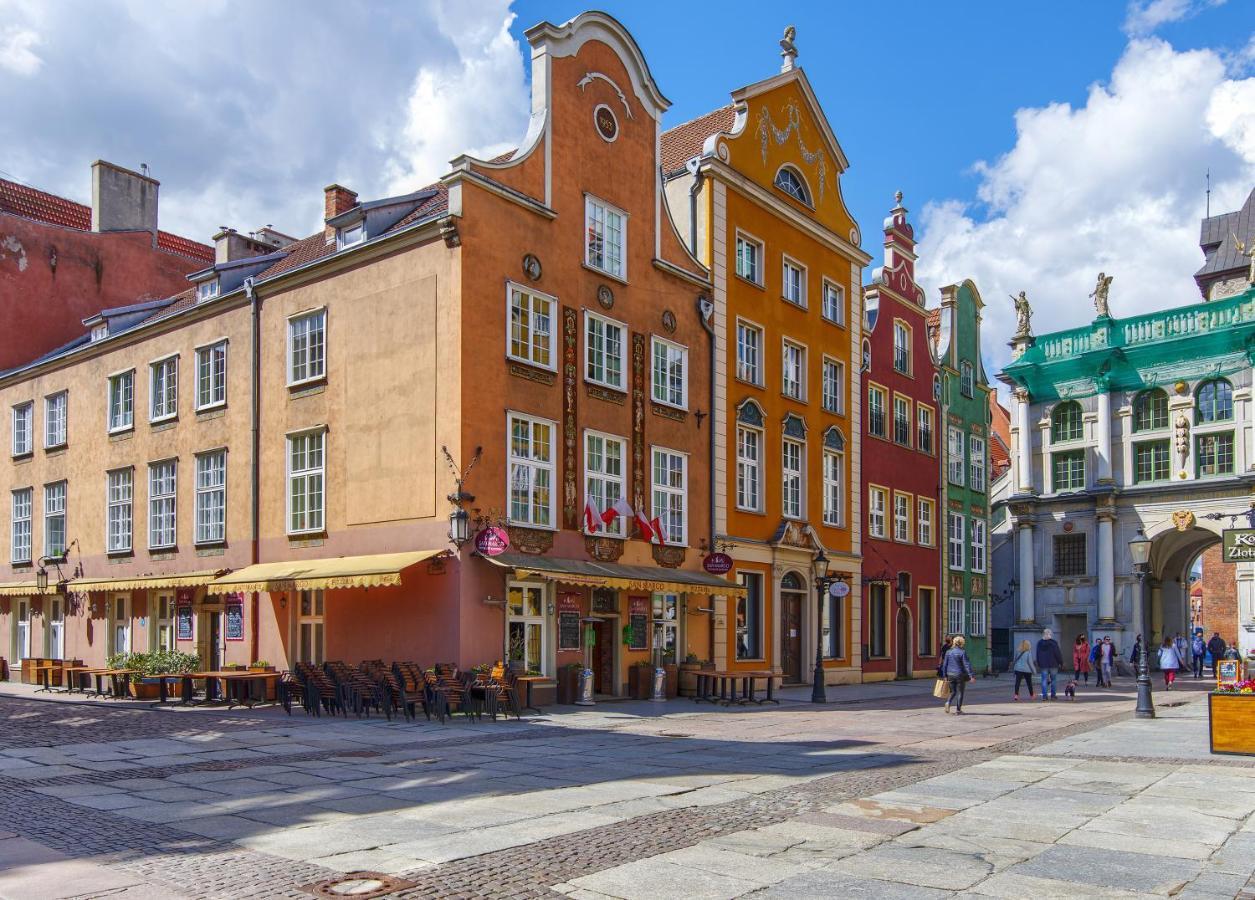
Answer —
250 291
706 315
694 190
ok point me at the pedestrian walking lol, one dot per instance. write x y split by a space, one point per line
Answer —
1106 660
1198 647
1024 667
1216 646
1169 662
1049 662
1183 648
957 669
1080 658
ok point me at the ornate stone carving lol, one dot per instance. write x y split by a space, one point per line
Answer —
794 426
530 540
605 549
1023 316
605 296
1183 519
748 412
767 130
1182 430
531 267
667 556
668 412
834 439
607 394
668 321
590 77
537 375
570 377
1099 295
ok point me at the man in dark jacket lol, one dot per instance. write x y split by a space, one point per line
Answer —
1217 647
1049 662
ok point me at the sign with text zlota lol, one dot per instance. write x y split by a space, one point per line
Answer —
1239 544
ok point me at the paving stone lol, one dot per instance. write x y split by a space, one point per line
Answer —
1209 885
1154 846
650 879
1008 885
920 866
830 885
1237 856
1111 869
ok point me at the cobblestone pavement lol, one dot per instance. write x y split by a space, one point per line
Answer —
622 800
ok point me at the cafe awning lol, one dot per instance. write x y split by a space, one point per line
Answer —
604 574
377 570
142 582
22 589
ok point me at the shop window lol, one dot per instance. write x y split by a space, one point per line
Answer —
834 627
877 620
525 609
56 629
666 620
119 625
749 617
927 601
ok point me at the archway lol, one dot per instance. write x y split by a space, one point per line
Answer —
1166 600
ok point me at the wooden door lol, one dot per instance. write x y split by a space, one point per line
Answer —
791 645
603 656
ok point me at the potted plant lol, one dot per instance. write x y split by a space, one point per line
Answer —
260 665
1231 718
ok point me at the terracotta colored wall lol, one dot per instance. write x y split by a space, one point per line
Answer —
1220 597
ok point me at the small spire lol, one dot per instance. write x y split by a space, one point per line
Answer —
788 51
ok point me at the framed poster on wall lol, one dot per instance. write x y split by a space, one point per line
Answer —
183 622
568 622
638 619
235 620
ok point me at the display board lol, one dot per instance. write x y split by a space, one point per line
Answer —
638 619
183 626
568 622
235 621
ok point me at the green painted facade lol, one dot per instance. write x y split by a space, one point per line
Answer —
964 443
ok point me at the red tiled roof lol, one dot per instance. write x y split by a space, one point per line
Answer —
303 251
182 301
31 203
1000 425
934 318
437 204
682 143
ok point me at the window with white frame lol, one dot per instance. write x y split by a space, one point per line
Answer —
56 409
526 625
924 514
122 401
350 235
793 382
789 181
955 619
163 484
119 514
670 489
833 307
791 464
749 353
957 532
670 381
877 503
606 228
163 630
834 493
310 627
23 429
834 386
924 427
54 518
603 350
211 497
977 529
211 376
307 465
665 609
749 259
603 477
163 389
902 517
307 347
901 347
531 471
977 623
20 535
207 290
794 282
976 468
748 468
531 327
955 461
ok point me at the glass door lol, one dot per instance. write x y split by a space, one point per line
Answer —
120 625
162 629
310 628
56 629
22 646
526 626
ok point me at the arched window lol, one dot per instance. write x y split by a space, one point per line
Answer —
1065 422
867 355
1150 410
791 582
1215 401
789 181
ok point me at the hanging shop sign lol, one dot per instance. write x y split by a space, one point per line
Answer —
839 589
492 541
717 563
1239 544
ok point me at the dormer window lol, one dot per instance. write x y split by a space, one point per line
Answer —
350 235
100 332
206 290
789 181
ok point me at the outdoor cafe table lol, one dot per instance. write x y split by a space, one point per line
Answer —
527 681
237 677
43 672
73 672
721 687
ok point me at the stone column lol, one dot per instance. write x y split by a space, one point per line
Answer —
1024 455
1102 435
1139 612
1106 568
1156 616
1027 611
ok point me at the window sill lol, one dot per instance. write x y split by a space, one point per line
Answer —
210 412
22 457
796 304
748 383
592 382
752 512
56 448
298 386
552 370
120 554
604 274
832 322
21 564
741 278
164 420
531 372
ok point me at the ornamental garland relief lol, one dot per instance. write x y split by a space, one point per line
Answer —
767 130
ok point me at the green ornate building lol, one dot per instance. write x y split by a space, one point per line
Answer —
963 390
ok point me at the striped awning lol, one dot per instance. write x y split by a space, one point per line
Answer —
377 570
142 582
613 575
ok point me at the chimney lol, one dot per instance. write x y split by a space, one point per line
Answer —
336 199
123 200
230 245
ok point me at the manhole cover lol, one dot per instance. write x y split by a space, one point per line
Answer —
363 885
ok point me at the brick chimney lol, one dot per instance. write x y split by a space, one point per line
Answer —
123 200
336 199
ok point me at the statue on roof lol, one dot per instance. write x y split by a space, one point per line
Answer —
788 50
1023 316
1099 294
1249 252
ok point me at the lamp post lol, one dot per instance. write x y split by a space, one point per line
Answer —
1139 552
41 580
822 583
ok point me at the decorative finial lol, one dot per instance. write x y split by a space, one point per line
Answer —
788 51
898 197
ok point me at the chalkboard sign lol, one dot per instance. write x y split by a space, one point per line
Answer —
184 626
235 622
569 631
640 631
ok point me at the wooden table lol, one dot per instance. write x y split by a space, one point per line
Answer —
71 674
726 684
228 677
527 681
43 673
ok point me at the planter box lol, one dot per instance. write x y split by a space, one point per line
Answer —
640 682
673 680
568 684
1231 720
145 690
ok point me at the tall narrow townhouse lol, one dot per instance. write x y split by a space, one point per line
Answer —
756 186
901 469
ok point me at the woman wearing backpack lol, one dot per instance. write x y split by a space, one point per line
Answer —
1024 667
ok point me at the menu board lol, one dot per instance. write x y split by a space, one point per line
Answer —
568 622
183 627
235 621
638 619
1228 671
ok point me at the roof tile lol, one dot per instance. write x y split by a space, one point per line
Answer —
682 143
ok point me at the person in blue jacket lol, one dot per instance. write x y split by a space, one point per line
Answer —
956 668
1049 662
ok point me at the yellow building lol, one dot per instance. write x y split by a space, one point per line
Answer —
755 187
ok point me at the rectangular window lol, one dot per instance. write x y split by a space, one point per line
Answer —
211 497
834 303
350 235
958 537
791 464
833 386
927 602
670 489
924 522
965 378
1214 454
749 259
163 504
978 545
901 517
833 639
526 625
748 468
119 491
603 351
207 290
876 401
56 409
603 477
834 493
1069 470
666 622
749 617
20 537
23 429
749 353
794 286
955 620
976 467
1151 462
670 382
901 347
307 347
307 463
878 620
54 518
877 501
531 327
531 471
924 428
163 389
1069 555
211 376
793 383
606 246
310 627
955 462
122 401
976 627
163 615
901 420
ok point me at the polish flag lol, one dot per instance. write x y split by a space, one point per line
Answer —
656 526
644 526
620 507
592 521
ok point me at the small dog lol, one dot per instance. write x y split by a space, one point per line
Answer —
1069 689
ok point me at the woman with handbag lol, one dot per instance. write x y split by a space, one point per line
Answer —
957 669
1025 667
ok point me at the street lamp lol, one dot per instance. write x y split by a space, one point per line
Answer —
41 580
1139 552
822 581
459 526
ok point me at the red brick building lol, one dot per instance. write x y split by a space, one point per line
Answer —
1218 606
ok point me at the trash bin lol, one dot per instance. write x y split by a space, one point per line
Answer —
585 695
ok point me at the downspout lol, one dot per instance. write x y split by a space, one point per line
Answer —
250 291
706 315
694 169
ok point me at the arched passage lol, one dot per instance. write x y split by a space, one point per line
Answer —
1167 589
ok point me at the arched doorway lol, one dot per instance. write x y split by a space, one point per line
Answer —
792 603
1166 609
905 651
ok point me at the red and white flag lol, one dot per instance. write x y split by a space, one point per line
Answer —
644 526
655 525
620 507
592 521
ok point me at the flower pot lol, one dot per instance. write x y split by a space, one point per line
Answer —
673 680
145 690
640 682
568 684
1231 721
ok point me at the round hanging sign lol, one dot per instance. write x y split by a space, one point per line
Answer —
717 563
492 541
839 589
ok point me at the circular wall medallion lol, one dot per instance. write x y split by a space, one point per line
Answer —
668 321
1067 527
605 296
607 124
531 267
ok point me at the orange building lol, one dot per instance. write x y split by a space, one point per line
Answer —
756 187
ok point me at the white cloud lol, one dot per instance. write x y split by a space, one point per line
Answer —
1116 185
1143 17
17 50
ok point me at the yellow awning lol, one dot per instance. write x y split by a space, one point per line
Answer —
614 575
378 570
23 589
142 582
